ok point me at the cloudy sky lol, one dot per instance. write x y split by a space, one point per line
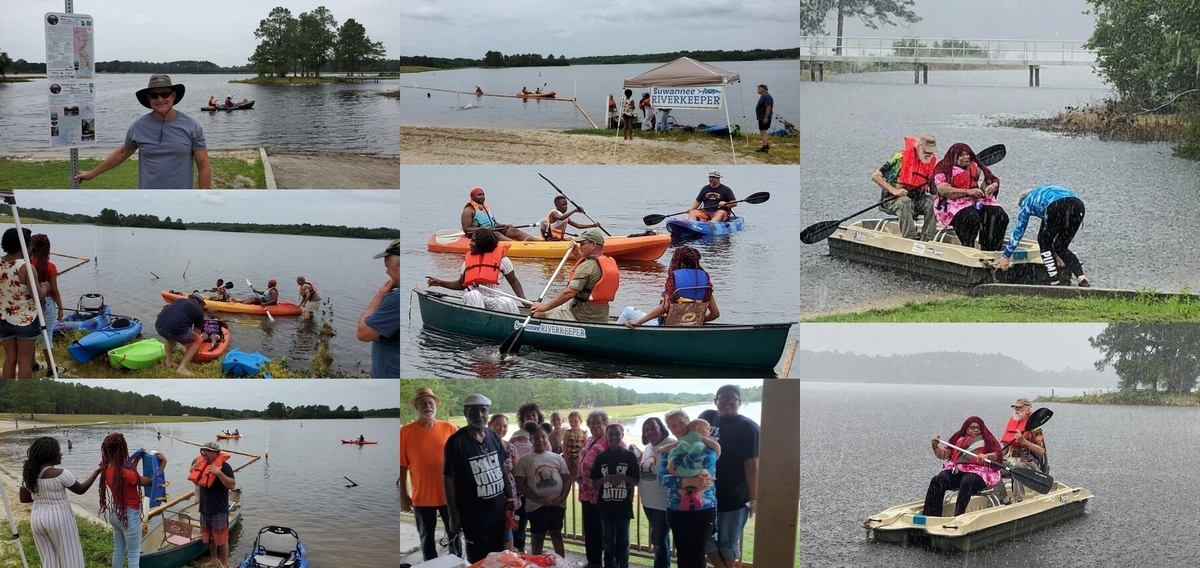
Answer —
366 394
466 28
352 208
994 19
1029 343
220 32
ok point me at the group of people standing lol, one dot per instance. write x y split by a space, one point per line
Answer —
19 326
960 192
488 490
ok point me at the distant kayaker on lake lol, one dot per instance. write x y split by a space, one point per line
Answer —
906 176
1061 212
713 201
168 142
476 214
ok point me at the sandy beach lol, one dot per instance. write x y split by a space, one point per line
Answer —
463 146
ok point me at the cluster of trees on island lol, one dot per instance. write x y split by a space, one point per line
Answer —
312 42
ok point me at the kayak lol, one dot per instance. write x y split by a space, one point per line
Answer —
642 247
546 95
684 229
276 547
85 319
119 332
358 442
229 436
721 129
138 355
207 353
242 364
236 106
280 309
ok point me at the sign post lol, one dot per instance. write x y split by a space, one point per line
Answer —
71 71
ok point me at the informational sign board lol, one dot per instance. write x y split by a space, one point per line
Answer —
687 97
70 73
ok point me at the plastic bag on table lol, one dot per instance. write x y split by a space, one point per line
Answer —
547 560
506 559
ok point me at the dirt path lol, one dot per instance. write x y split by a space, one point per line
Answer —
334 171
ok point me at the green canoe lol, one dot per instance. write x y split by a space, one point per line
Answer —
137 355
757 346
176 541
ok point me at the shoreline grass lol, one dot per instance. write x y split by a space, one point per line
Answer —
1126 398
784 149
228 172
1026 309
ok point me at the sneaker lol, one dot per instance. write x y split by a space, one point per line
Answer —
50 373
764 149
35 366
1085 283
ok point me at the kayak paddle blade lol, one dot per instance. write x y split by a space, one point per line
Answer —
758 197
992 154
818 232
1033 479
653 219
511 343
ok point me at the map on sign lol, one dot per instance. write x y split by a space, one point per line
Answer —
70 46
70 72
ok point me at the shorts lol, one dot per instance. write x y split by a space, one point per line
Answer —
28 332
186 339
214 529
546 519
313 305
765 124
702 215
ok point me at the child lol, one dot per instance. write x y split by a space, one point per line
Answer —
616 474
685 456
554 226
574 441
212 329
557 434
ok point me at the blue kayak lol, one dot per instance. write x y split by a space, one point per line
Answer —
721 129
684 229
119 332
242 364
85 320
276 547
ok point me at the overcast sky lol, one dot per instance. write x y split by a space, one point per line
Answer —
220 32
366 394
468 28
1045 347
675 385
994 19
352 208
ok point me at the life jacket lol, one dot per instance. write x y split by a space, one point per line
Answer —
483 215
212 326
975 445
222 294
266 296
1011 429
967 178
605 289
914 174
200 474
484 268
309 282
554 230
691 285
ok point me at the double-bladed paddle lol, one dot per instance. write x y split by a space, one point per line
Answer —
447 236
269 316
569 200
753 198
513 342
818 232
1033 479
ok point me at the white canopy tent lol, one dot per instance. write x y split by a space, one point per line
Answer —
687 72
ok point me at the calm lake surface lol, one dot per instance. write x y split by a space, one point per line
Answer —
865 448
590 84
342 269
298 485
350 118
1133 235
754 276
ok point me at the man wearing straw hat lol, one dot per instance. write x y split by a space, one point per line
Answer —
166 140
422 456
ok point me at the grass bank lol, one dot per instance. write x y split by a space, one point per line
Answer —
1025 309
416 69
1110 120
1127 398
784 149
228 172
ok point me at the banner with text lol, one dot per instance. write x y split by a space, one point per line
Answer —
71 70
687 97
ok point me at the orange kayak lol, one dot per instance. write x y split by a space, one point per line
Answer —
280 309
648 247
207 353
546 95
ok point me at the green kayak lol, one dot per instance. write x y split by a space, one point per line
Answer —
137 355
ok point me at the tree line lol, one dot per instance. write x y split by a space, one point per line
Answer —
1151 357
305 45
280 411
170 67
496 59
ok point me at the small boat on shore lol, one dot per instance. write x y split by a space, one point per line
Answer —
238 106
91 313
685 229
176 541
545 95
878 242
137 355
639 247
122 330
756 346
276 547
985 522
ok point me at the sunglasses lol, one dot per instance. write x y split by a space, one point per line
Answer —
160 94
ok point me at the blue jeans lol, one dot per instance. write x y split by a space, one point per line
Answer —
660 537
616 542
729 533
127 541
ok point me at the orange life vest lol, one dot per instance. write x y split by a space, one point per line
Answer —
1011 429
309 282
554 229
967 178
484 268
605 289
200 474
482 216
914 174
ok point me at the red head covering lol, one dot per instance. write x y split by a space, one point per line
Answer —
990 445
476 191
946 166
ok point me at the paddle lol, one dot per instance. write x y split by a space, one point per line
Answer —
506 294
569 200
818 232
754 198
513 342
269 316
1035 480
447 236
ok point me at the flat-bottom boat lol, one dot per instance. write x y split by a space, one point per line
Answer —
985 522
878 242
757 346
176 541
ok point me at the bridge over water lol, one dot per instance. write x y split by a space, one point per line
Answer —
816 51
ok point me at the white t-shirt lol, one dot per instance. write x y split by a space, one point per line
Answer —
506 267
546 471
654 495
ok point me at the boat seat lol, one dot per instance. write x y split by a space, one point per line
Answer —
275 549
177 531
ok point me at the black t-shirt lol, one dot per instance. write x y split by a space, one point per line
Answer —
760 110
478 472
738 437
616 500
710 196
215 499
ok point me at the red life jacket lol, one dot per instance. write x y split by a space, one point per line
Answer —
605 289
967 178
1011 429
200 474
309 282
914 174
484 268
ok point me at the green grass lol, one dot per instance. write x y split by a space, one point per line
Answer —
227 173
784 149
1022 309
416 69
95 539
1130 398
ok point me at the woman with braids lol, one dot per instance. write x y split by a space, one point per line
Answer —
119 498
687 298
39 256
44 484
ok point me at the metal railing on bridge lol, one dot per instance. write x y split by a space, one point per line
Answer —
1012 52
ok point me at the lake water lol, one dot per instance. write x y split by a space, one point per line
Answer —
341 268
351 118
590 84
298 484
754 276
633 426
865 448
1132 237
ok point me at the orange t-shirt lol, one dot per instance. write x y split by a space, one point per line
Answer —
422 452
